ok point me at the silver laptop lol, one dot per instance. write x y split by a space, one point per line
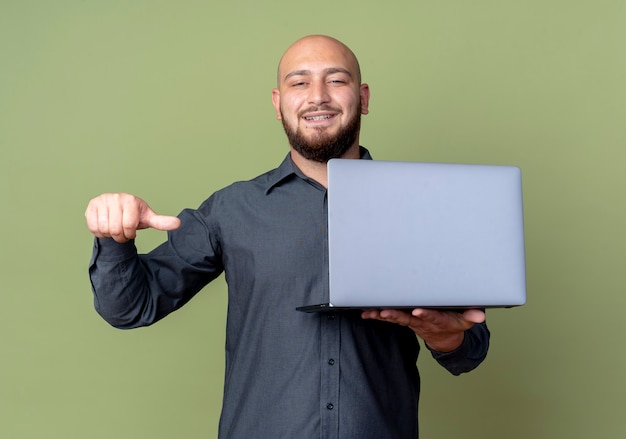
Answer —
408 235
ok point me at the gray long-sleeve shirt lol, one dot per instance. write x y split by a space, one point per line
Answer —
288 374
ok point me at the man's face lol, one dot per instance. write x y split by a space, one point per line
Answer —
319 98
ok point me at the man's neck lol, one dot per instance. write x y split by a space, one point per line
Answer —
316 170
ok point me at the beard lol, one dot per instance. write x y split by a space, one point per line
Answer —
323 146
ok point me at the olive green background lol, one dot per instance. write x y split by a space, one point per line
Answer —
171 101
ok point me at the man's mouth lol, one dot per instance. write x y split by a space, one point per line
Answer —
319 118
316 118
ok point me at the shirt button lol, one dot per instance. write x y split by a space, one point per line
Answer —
329 406
331 361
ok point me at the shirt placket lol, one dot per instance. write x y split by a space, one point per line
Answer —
329 363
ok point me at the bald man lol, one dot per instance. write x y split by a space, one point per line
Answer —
288 374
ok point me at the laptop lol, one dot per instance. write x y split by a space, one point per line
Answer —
423 235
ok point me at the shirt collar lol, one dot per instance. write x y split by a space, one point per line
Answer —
288 168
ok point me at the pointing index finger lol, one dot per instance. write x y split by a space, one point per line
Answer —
164 222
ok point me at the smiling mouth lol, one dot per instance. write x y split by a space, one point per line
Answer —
318 118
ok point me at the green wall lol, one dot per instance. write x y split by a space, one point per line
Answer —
171 101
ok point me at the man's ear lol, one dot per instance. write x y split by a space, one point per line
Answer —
276 102
365 98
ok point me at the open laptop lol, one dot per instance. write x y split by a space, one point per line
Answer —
433 235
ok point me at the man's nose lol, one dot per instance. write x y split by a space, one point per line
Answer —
319 93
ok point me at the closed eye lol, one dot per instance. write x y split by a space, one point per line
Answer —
337 82
298 84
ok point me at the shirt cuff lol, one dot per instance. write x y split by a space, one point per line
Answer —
109 250
461 351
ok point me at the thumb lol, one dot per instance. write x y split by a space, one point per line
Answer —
162 222
474 315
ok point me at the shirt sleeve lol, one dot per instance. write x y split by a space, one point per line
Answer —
469 355
132 290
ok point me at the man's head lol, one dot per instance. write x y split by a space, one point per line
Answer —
319 98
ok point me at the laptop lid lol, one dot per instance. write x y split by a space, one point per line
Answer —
407 235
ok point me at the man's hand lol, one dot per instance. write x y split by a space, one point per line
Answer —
119 216
442 331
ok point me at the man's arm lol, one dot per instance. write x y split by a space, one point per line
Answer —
132 290
458 341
